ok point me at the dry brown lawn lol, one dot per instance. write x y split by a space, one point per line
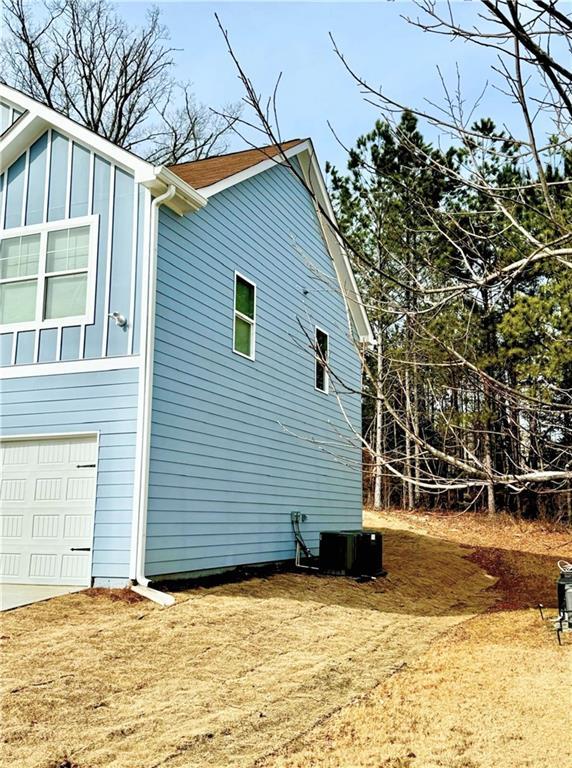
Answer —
437 665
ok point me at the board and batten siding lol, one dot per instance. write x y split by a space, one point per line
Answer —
237 445
59 179
103 402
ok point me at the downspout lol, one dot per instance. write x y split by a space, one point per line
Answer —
141 585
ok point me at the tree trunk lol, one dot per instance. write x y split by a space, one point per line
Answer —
378 470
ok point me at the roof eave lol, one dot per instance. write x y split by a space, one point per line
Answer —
186 199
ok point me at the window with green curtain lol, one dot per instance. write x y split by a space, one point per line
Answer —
244 316
43 275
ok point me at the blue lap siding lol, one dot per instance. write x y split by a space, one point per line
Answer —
236 445
103 402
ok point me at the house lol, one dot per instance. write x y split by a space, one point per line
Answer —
164 407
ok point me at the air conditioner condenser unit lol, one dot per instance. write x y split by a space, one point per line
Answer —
351 553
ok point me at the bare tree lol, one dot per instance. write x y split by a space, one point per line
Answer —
80 58
495 433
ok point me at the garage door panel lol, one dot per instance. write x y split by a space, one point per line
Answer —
78 527
47 507
10 564
12 489
11 526
45 527
16 454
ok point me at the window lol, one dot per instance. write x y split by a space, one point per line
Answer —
45 274
322 353
244 316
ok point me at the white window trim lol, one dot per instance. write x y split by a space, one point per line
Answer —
250 320
40 276
317 360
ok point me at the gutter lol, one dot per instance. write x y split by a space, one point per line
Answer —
185 198
141 582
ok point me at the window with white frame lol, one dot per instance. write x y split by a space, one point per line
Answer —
244 331
46 274
321 347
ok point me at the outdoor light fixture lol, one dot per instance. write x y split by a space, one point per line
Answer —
119 319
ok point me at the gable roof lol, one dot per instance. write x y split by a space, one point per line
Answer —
36 118
203 173
213 175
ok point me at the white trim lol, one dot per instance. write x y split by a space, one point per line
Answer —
48 172
4 198
68 366
81 352
264 165
326 390
108 252
49 436
42 229
69 162
314 179
14 348
250 320
91 182
45 115
37 118
36 346
59 344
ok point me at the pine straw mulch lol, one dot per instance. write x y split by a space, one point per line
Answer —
299 670
492 691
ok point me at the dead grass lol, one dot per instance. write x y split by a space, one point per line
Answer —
292 670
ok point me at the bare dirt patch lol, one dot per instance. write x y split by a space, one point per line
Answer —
287 670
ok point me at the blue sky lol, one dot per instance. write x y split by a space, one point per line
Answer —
292 38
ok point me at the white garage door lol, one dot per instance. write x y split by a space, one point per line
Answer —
47 503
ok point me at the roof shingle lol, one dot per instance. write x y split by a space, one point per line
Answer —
203 173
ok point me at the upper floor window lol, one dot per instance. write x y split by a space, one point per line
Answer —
244 316
321 346
47 274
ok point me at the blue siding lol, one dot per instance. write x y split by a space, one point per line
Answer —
70 343
94 187
48 342
15 193
36 181
58 178
237 445
25 347
79 182
122 245
6 340
101 192
104 402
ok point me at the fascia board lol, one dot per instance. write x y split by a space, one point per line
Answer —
44 117
37 118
